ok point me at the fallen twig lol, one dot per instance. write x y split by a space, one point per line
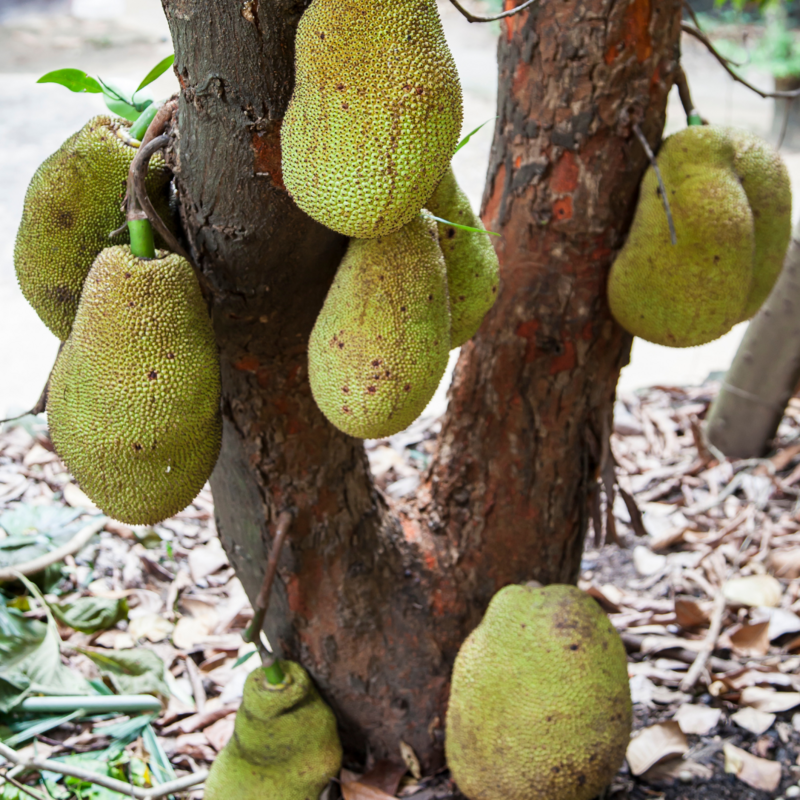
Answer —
76 543
171 787
696 670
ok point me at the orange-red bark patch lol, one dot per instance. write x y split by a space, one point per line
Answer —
267 155
562 209
565 174
247 364
635 33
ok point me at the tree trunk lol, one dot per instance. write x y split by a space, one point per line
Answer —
376 601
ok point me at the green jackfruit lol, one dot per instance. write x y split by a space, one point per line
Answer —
72 204
540 705
697 290
134 397
473 272
380 344
284 745
765 180
375 114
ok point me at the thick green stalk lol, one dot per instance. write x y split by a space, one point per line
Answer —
142 244
274 673
143 121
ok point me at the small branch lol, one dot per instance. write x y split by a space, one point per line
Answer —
22 787
76 543
196 681
145 209
699 664
700 36
640 136
685 95
470 17
160 121
47 764
787 112
262 601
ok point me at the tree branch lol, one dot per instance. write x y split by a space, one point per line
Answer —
700 36
77 542
470 17
664 199
709 644
162 790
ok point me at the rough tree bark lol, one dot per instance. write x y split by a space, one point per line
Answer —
375 601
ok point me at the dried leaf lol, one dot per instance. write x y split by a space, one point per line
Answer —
385 775
699 720
355 790
647 562
655 743
195 745
786 563
677 768
602 596
769 700
220 732
753 591
753 720
205 560
759 773
75 497
410 759
689 613
152 627
749 640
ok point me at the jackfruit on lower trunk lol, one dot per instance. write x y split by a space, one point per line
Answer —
284 744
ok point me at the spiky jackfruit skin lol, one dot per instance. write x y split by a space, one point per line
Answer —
473 273
375 114
765 180
540 705
695 291
72 204
380 343
134 397
284 744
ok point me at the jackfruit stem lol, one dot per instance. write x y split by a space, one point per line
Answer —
662 189
138 129
274 673
142 243
253 633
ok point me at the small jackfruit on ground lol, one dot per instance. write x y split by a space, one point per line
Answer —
540 704
375 114
730 200
473 272
284 746
380 343
72 204
133 405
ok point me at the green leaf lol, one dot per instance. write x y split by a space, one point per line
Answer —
119 101
464 227
239 661
90 614
157 71
39 670
73 79
138 671
38 726
160 766
471 134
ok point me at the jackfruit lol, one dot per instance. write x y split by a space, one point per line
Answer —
134 396
540 704
284 744
473 272
380 344
375 114
697 290
765 180
71 206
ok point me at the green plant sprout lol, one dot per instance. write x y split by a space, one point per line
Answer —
128 106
